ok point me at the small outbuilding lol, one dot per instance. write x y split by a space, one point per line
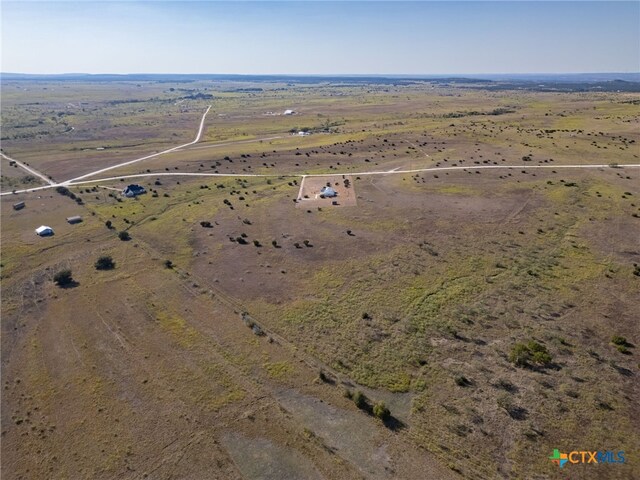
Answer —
75 219
289 112
328 192
133 190
18 206
44 231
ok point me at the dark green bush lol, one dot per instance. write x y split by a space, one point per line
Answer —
63 278
105 262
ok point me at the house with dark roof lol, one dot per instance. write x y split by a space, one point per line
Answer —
133 190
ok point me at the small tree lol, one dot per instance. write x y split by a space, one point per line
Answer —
360 399
63 278
124 236
168 264
108 224
105 262
522 355
519 355
381 411
539 353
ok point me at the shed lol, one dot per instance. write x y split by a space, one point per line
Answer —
18 206
133 190
289 112
44 231
74 219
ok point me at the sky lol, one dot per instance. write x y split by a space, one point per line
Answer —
320 37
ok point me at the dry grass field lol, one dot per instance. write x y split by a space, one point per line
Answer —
248 333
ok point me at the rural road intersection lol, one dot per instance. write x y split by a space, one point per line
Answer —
81 180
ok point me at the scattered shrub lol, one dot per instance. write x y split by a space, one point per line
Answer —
622 345
618 340
105 262
124 236
63 278
381 411
360 399
523 355
462 381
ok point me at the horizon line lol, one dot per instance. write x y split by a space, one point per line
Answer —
330 74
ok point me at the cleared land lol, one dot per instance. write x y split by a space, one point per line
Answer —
310 194
417 296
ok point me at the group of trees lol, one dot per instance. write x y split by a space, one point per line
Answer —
379 409
530 354
64 278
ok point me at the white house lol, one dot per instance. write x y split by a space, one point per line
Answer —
289 112
328 192
44 231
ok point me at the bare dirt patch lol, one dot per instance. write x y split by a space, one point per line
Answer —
311 192
261 459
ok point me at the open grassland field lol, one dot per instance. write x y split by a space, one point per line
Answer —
246 332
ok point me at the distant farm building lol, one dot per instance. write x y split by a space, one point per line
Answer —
289 112
328 192
303 133
74 219
133 190
18 206
44 231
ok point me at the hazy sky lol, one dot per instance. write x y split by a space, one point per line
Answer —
323 37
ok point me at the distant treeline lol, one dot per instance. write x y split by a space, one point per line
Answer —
496 111
185 78
609 82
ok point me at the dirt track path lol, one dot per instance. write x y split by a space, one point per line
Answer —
130 162
29 169
81 179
